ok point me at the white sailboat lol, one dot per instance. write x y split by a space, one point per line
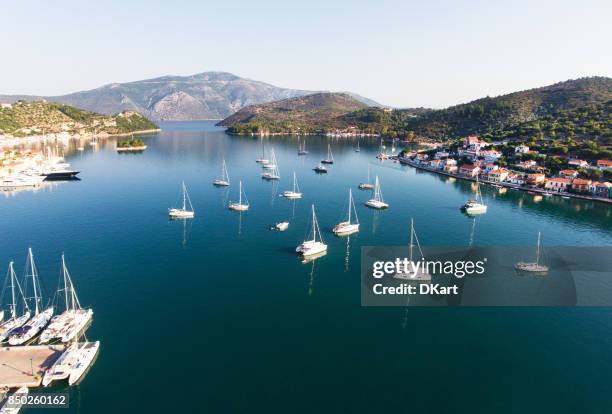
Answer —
302 147
476 206
367 185
241 205
347 227
14 321
263 160
183 212
417 273
320 169
72 363
23 334
313 246
377 202
295 193
274 173
533 267
330 156
224 180
73 321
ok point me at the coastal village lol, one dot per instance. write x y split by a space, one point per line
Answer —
517 166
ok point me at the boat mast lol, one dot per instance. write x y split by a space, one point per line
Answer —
295 186
184 197
240 195
13 306
33 270
538 250
350 206
65 282
411 236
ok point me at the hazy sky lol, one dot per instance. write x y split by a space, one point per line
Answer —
401 53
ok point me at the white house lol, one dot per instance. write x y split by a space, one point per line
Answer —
521 149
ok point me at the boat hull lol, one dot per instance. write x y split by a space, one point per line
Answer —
291 194
379 205
344 229
238 207
310 248
179 213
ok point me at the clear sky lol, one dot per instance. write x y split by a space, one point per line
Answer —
401 53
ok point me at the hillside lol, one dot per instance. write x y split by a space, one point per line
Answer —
208 95
312 113
490 115
23 119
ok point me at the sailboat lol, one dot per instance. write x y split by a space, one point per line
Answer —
183 212
419 273
24 333
367 185
313 246
302 148
357 149
330 156
377 201
263 160
476 206
240 205
67 326
346 227
320 169
224 180
14 321
533 267
274 174
295 193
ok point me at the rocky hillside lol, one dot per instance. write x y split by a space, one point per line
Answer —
312 113
489 115
23 119
208 95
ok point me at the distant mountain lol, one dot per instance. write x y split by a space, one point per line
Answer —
208 95
489 115
311 113
23 119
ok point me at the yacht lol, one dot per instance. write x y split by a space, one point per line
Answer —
302 148
330 156
20 180
320 169
347 227
475 206
73 321
377 202
416 274
87 353
367 185
274 173
282 226
533 267
183 212
224 180
241 205
262 160
295 193
313 246
17 296
24 333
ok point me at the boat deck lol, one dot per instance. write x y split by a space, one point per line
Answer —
24 365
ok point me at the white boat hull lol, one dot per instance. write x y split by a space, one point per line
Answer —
19 397
180 213
376 204
282 226
11 324
87 354
221 183
364 186
346 228
291 194
475 209
238 207
310 248
531 267
31 329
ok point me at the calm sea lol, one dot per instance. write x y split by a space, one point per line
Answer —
218 315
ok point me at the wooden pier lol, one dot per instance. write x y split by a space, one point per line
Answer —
25 365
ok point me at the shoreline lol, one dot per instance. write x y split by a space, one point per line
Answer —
540 191
6 142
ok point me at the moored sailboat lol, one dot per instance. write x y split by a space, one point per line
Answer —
367 185
274 173
320 169
475 206
347 227
302 147
377 202
73 321
418 272
295 193
223 180
87 354
14 321
532 267
330 156
183 212
315 245
24 333
241 205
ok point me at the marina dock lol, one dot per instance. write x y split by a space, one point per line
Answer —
25 365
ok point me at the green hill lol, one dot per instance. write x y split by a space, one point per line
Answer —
23 119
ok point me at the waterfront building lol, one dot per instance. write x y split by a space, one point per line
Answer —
516 178
600 189
498 175
558 184
536 178
490 167
580 185
469 170
604 164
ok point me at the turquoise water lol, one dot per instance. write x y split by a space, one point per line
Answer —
218 315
